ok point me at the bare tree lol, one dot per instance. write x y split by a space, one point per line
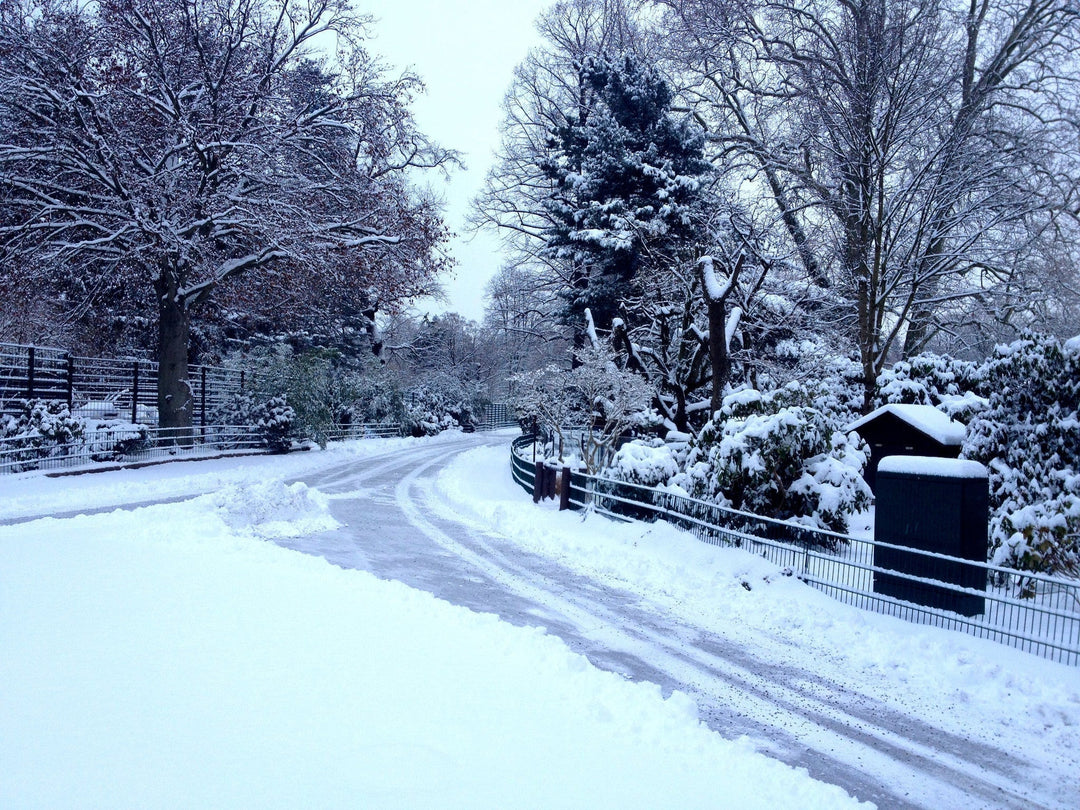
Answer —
170 146
911 152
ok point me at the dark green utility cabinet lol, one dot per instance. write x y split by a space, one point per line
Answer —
932 505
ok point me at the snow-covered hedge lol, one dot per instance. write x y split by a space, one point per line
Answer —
44 429
40 429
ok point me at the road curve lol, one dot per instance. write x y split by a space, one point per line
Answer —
790 711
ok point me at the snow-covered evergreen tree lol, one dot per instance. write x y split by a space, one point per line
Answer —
628 177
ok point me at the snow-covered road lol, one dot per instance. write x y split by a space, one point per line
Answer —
794 705
164 654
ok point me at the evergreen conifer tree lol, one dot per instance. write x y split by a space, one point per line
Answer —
627 188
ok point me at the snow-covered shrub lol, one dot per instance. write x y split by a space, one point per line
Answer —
832 382
956 387
40 429
316 388
115 439
646 462
238 411
441 402
768 454
374 393
1041 537
275 419
1029 440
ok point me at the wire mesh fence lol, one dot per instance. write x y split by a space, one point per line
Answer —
1032 612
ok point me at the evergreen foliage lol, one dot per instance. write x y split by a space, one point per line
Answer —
776 456
627 187
1029 439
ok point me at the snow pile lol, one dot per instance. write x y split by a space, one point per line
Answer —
166 657
273 509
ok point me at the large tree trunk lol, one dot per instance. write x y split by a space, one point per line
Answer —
718 354
175 401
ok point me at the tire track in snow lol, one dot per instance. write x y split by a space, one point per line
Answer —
918 765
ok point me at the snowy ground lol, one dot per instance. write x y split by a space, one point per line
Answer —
1025 710
169 656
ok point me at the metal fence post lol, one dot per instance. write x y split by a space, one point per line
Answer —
70 381
202 406
134 392
30 373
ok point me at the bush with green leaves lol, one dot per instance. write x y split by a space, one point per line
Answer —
1029 440
776 456
956 387
275 419
441 402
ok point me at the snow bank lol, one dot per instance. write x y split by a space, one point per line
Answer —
36 494
169 657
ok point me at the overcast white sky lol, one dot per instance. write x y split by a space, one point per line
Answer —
465 50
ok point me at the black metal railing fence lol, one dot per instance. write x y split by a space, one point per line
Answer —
105 387
1033 612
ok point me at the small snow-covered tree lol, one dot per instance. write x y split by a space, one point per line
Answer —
596 397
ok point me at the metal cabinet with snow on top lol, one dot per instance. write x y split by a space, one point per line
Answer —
927 507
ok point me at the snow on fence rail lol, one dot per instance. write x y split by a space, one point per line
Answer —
1032 612
125 388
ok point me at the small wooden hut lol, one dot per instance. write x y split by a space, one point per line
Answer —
907 430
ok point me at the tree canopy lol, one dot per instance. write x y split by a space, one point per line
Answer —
154 150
